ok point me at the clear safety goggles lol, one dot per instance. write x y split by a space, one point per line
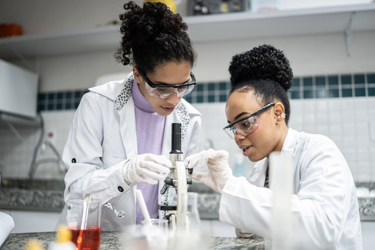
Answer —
166 90
246 125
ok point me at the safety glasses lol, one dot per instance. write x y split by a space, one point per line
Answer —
166 90
246 125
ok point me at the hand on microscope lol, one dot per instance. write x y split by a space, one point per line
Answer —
219 171
146 168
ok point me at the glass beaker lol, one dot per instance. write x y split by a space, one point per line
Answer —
161 224
89 237
193 219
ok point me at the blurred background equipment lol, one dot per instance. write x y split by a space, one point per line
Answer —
207 7
170 3
265 6
11 29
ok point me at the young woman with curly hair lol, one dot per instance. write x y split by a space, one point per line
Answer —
324 204
121 132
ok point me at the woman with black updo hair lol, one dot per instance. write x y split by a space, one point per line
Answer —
121 132
324 205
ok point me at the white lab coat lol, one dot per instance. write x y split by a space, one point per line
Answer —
324 203
102 138
6 226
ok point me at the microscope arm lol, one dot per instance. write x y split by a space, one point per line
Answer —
181 195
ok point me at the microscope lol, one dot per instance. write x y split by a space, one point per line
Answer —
177 179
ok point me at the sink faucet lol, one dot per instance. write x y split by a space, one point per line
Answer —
34 164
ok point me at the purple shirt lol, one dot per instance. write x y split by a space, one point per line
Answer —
150 132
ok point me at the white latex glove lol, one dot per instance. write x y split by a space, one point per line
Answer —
219 171
146 168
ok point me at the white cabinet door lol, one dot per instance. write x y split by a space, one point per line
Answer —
6 211
216 228
222 229
206 228
31 221
368 234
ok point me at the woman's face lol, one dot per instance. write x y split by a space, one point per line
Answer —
169 73
267 137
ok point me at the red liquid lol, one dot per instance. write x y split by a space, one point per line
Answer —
90 238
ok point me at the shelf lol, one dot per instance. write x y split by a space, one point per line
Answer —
202 29
282 23
96 39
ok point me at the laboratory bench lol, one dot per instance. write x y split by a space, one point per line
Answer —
113 241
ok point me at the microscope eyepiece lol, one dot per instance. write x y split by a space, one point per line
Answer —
176 138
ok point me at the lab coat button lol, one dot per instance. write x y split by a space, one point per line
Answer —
120 189
74 160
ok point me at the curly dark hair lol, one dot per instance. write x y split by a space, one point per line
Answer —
153 35
266 71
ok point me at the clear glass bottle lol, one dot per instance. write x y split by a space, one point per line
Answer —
193 219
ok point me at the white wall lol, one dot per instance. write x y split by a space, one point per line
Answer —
43 16
308 55
298 4
346 121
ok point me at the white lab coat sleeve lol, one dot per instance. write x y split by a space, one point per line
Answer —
194 130
319 209
82 154
6 226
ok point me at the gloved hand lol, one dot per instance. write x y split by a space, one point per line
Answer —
219 171
146 168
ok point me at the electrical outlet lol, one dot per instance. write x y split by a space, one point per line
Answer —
51 136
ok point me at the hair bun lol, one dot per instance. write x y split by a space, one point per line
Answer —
263 62
152 32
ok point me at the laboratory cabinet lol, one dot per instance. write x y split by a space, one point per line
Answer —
216 228
33 221
368 235
19 89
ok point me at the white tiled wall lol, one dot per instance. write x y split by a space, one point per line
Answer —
345 120
16 155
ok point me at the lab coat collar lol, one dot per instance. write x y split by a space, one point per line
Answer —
290 142
110 89
113 89
259 172
128 128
